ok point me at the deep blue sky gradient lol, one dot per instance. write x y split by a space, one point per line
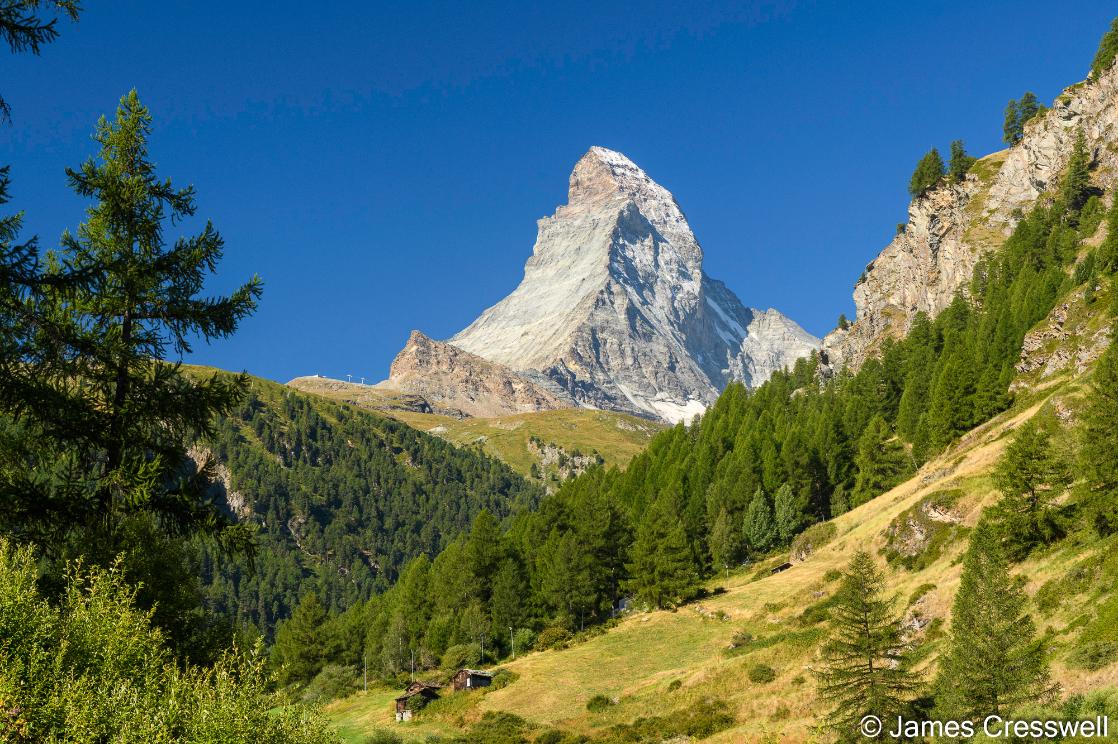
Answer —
382 165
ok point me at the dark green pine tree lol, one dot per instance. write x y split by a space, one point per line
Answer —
661 569
788 514
1030 475
1108 50
1012 128
1108 251
1099 441
1075 188
928 173
960 163
866 667
117 440
1028 107
993 664
760 524
506 605
881 461
725 544
299 651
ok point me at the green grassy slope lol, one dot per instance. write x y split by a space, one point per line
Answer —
615 437
636 661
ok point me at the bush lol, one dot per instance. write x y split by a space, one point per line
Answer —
704 718
761 674
384 736
464 655
553 637
812 539
93 664
525 639
674 685
332 682
598 704
503 678
832 575
496 728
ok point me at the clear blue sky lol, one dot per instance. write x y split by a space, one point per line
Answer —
382 167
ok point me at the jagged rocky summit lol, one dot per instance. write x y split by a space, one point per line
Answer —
614 312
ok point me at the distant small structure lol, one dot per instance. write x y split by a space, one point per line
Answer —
780 568
416 695
468 679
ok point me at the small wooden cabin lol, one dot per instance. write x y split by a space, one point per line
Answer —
468 679
415 696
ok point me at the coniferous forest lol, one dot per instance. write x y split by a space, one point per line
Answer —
188 554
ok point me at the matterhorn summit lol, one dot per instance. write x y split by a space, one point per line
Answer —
615 311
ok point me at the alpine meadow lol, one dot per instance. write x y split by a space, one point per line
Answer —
619 504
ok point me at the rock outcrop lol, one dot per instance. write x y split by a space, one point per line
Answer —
950 227
616 312
455 381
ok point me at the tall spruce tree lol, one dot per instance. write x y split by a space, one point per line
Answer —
724 542
960 163
928 173
993 664
787 514
1030 475
300 650
1099 441
661 570
1075 188
866 668
760 524
108 421
1012 128
881 460
1028 107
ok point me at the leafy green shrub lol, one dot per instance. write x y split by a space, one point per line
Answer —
93 664
332 682
553 637
503 678
761 674
496 727
598 704
524 639
812 539
704 718
384 736
832 576
674 685
920 592
551 736
1094 655
464 655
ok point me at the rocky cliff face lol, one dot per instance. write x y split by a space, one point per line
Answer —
615 311
949 228
457 382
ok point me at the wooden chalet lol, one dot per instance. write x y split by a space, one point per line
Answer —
415 696
468 679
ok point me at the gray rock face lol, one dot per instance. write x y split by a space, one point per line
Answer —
950 228
616 311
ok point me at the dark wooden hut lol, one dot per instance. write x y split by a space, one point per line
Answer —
468 679
415 696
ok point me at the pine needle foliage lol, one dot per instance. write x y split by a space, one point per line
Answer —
866 666
994 663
